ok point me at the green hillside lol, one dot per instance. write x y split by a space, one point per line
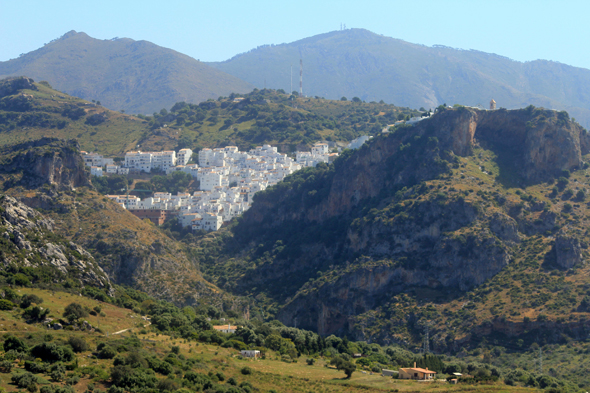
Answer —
357 62
31 110
136 76
126 343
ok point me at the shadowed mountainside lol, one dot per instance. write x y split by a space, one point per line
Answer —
418 223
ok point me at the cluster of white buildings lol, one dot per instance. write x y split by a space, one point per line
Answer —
136 161
228 180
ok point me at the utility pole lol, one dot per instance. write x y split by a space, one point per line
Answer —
426 339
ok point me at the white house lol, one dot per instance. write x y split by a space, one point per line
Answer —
184 156
96 171
250 353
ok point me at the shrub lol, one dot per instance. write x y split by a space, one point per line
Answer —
51 352
25 381
127 377
167 385
36 367
57 372
74 311
21 280
78 344
14 344
36 313
107 352
246 370
28 300
198 379
5 366
73 380
6 305
310 361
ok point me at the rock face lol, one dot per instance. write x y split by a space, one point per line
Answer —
567 250
25 240
344 239
48 161
543 143
10 86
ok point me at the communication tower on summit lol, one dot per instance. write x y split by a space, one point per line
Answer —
492 105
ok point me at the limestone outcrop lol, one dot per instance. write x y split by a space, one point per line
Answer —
27 239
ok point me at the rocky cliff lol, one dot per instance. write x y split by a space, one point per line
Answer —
50 175
28 240
424 208
47 161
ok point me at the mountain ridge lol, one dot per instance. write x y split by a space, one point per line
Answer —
357 62
135 76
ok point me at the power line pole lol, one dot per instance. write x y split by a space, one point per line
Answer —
426 339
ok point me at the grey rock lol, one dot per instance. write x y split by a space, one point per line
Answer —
504 227
567 250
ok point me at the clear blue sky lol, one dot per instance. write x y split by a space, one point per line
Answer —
214 30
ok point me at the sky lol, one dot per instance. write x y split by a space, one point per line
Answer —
216 30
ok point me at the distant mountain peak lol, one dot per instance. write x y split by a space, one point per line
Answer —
124 74
70 34
360 63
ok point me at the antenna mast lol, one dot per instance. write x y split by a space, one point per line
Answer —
300 77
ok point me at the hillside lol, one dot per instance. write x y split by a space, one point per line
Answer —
135 76
357 62
30 110
105 347
474 222
49 175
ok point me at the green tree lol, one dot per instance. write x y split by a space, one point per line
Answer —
345 365
14 344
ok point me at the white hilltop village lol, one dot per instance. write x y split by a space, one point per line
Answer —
228 179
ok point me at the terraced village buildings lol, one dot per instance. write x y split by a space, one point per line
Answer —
228 180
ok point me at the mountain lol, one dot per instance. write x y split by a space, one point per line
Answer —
357 62
472 222
135 76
